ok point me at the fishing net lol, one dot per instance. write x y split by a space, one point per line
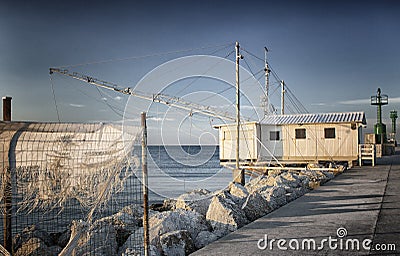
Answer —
58 173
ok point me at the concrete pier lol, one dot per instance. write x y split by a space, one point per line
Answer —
360 206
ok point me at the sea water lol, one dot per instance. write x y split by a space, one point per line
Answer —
174 170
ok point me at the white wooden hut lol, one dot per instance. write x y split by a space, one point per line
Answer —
298 138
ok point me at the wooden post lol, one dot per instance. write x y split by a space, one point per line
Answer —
145 186
238 174
7 192
7 202
7 108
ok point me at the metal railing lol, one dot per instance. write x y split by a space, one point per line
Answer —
366 152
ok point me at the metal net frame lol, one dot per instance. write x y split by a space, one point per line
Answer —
66 187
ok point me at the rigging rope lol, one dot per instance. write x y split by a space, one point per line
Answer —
295 101
118 111
145 56
177 99
54 98
105 102
253 55
303 108
297 108
248 66
197 78
226 89
269 152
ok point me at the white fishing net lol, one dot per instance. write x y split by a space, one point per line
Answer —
56 162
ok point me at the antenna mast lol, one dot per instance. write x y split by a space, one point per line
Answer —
283 97
267 71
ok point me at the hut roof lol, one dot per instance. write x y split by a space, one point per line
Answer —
319 118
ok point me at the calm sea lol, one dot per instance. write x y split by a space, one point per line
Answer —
174 170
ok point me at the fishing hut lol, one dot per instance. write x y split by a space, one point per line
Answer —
295 139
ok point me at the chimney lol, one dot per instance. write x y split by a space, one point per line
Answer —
7 108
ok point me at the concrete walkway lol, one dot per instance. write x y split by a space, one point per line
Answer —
365 201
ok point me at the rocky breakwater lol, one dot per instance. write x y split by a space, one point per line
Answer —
180 226
200 217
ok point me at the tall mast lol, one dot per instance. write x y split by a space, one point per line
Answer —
238 174
267 71
283 97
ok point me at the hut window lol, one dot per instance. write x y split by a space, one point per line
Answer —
330 133
274 135
300 133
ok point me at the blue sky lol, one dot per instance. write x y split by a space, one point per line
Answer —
332 54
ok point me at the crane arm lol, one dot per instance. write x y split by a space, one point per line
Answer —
159 98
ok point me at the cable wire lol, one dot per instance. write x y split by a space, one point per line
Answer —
145 56
54 98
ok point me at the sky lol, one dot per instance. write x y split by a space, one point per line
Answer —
333 55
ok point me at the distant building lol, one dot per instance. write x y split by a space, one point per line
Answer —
299 138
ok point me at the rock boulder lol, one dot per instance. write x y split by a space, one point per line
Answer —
225 215
32 232
90 239
275 196
238 191
261 183
177 243
127 220
288 179
197 200
255 206
35 246
164 222
204 238
134 244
